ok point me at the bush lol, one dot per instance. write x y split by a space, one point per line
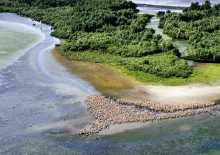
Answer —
109 27
164 65
200 25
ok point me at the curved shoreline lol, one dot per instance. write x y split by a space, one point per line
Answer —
41 60
169 101
137 114
41 89
39 117
166 101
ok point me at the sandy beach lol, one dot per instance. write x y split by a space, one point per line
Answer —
172 98
169 101
136 107
184 95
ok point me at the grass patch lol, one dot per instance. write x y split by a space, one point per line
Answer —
202 73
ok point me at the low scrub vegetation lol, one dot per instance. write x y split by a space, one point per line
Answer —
200 25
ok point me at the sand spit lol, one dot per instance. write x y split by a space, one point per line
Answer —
107 112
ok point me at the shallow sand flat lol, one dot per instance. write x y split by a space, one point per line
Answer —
132 91
189 94
172 98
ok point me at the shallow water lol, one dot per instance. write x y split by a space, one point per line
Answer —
42 107
11 44
189 136
164 3
184 3
37 94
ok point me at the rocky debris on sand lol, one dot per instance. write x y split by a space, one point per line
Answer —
165 107
107 112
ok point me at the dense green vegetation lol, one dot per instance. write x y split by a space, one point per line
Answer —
202 73
72 16
110 27
200 25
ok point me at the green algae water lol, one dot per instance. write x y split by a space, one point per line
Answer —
14 39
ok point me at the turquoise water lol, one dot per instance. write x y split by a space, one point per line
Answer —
13 41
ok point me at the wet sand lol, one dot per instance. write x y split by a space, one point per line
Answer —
41 110
167 101
107 80
113 83
127 91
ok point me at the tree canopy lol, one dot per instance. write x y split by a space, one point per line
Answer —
200 25
111 27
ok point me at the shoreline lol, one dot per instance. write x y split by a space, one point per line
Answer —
43 87
43 108
129 106
188 100
163 96
107 80
110 114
